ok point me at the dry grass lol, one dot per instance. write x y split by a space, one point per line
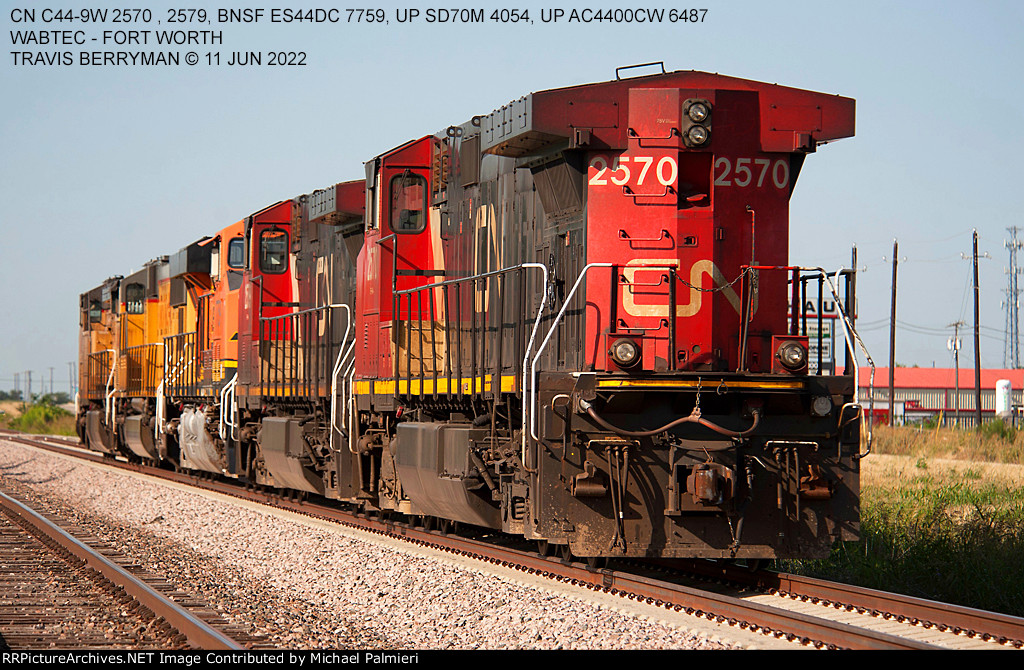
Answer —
10 408
994 443
888 471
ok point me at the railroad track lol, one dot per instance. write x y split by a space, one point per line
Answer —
806 611
57 590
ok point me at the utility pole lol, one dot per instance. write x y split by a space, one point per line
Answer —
892 338
954 346
977 338
51 380
17 384
71 379
28 399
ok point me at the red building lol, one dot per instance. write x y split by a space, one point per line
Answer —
923 393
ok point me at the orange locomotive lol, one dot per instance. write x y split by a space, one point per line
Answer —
568 320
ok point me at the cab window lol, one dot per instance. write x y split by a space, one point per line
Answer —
94 311
135 299
408 203
236 253
273 251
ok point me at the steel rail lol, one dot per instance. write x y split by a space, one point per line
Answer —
929 612
198 632
1005 628
677 597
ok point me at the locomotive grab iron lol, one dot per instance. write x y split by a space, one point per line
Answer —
568 319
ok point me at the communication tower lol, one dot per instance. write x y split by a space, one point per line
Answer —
1011 340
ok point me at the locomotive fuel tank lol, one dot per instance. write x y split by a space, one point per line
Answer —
439 471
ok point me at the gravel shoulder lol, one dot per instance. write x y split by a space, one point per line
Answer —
302 583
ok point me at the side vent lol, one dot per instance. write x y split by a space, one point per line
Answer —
440 166
469 161
559 184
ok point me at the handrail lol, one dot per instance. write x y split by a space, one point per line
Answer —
348 372
540 350
850 335
307 311
109 392
343 356
94 384
226 409
341 353
351 403
144 375
184 361
326 309
482 275
158 423
536 324
531 402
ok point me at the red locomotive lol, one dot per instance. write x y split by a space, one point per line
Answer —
567 319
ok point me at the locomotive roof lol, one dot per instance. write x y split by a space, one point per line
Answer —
792 119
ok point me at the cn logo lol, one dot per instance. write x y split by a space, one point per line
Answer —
693 291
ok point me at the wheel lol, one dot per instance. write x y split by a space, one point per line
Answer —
748 564
543 548
596 562
755 564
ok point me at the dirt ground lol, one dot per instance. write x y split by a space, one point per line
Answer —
883 470
10 407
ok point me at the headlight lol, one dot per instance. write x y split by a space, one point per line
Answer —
698 134
792 355
625 353
697 112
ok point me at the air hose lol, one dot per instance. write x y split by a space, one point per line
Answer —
694 417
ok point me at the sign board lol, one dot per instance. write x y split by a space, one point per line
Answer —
829 313
827 346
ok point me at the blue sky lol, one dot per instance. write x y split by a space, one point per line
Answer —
105 168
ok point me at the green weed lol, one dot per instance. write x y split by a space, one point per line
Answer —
44 418
958 540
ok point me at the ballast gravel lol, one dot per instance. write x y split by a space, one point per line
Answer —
302 586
